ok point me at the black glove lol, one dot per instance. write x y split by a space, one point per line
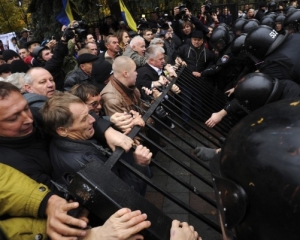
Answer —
68 34
161 113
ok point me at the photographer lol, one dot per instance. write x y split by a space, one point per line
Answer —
185 23
205 16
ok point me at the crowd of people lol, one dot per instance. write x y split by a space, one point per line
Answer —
61 98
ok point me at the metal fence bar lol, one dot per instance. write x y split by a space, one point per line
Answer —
209 183
222 128
209 135
175 133
174 199
194 122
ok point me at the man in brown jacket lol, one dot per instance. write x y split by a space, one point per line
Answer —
121 94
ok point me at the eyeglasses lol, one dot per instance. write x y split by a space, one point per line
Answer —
93 104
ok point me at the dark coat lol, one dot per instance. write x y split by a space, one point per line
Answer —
171 47
75 77
195 62
70 156
146 75
283 62
54 65
29 155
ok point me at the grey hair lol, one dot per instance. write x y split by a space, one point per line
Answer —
156 41
16 79
152 51
28 78
135 40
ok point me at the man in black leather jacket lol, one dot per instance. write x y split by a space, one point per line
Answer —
82 73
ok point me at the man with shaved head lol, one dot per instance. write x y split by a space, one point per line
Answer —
121 94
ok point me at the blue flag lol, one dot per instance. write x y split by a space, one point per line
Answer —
65 16
127 18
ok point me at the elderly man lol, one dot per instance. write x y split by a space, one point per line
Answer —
82 73
67 118
151 75
113 49
136 51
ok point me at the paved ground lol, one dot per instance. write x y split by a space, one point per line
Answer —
179 191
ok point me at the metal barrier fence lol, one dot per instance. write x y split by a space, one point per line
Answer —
181 186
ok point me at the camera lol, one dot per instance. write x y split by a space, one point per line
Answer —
80 28
162 22
142 23
208 7
182 9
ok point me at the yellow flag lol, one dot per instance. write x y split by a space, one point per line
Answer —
127 16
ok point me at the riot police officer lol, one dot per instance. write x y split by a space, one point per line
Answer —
274 54
227 68
257 177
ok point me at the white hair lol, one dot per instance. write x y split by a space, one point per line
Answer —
152 51
16 79
135 40
156 41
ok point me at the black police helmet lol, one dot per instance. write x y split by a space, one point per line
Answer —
290 10
238 26
272 15
268 21
258 178
293 19
255 90
249 25
220 38
280 18
237 45
262 41
272 6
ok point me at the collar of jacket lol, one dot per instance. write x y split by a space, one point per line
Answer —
20 142
82 74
